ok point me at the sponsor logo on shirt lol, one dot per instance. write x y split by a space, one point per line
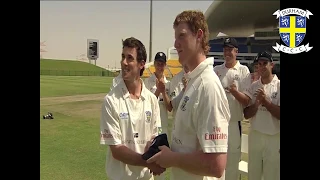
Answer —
274 95
123 115
135 141
106 135
135 135
176 140
216 134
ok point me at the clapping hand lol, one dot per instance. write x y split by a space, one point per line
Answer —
232 87
260 96
161 85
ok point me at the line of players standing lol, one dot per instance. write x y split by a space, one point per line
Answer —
254 96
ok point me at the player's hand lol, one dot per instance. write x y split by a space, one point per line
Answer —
146 148
155 169
233 87
260 95
161 86
165 158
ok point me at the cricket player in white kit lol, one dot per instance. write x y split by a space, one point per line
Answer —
176 86
200 134
233 77
160 62
264 111
130 116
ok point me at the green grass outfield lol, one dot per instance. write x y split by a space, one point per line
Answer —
69 144
54 67
67 65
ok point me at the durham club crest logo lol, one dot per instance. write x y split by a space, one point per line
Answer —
292 30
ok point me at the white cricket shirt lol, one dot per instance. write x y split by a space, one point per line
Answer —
227 76
130 122
201 121
263 121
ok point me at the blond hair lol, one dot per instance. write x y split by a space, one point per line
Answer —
195 20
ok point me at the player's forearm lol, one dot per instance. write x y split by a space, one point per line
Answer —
198 163
273 109
241 97
250 111
128 156
157 93
167 102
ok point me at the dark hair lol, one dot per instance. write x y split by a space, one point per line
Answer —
141 50
195 20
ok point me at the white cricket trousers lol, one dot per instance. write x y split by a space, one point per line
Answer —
263 156
234 151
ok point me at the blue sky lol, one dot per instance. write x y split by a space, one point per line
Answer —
66 26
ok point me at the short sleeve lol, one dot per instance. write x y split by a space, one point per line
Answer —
211 118
110 131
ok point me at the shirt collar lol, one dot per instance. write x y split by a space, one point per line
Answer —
236 67
273 81
202 66
126 93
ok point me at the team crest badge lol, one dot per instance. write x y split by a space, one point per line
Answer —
236 77
148 115
184 103
173 94
274 95
292 30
